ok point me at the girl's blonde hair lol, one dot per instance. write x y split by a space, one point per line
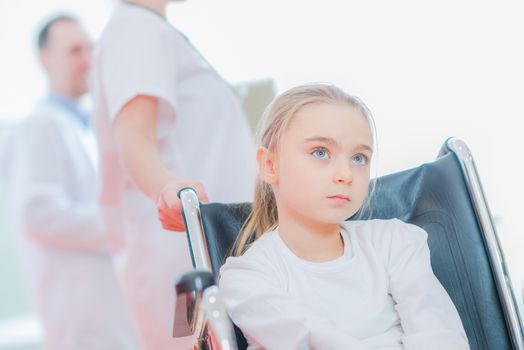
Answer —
275 120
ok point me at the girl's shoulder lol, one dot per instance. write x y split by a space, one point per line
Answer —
264 245
386 233
259 253
261 263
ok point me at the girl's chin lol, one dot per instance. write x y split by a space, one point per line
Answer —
339 217
332 221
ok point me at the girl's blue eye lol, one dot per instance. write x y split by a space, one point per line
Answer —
320 153
360 159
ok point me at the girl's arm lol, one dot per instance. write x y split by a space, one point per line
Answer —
428 316
271 319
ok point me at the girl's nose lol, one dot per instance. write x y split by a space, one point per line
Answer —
343 174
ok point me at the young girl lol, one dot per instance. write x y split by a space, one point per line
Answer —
304 278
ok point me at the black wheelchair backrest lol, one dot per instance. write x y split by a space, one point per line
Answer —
435 197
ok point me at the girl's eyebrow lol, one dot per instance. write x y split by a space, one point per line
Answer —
364 147
331 141
328 140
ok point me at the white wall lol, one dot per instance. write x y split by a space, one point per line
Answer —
427 70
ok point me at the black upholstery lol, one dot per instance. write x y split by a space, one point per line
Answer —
433 196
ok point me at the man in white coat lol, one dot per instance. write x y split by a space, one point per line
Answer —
53 196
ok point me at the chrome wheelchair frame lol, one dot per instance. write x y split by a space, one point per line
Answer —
199 308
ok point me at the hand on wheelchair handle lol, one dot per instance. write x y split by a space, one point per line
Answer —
169 206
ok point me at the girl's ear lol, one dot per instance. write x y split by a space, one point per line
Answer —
267 166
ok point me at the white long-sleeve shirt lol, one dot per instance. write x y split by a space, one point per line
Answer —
380 294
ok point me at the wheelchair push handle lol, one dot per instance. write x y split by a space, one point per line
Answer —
194 229
186 190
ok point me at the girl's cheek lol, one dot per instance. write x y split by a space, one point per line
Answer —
360 169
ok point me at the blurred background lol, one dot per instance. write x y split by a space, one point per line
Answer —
427 70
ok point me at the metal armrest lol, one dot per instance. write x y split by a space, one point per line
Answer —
220 331
190 289
199 309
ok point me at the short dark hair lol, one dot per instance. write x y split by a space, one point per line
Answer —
43 33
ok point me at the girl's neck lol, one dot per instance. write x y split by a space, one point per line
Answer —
316 242
158 6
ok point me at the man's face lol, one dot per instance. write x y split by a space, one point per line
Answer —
67 57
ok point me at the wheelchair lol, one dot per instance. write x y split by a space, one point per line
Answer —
444 197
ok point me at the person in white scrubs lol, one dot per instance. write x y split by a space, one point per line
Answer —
164 120
53 197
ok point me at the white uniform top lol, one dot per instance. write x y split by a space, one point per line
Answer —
52 193
202 135
381 294
202 131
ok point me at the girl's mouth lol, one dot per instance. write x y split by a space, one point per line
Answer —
340 198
